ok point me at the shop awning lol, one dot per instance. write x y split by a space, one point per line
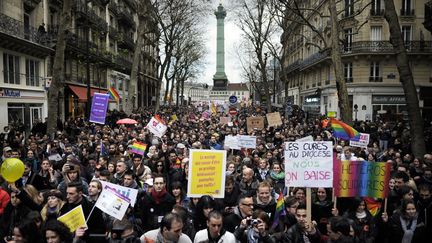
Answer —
81 92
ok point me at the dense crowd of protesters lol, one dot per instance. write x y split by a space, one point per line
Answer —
65 169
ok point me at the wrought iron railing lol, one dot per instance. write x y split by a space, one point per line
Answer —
360 47
126 15
127 41
377 12
96 22
17 28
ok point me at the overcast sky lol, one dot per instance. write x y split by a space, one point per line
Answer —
232 40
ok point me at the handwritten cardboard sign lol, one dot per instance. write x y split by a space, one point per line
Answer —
207 173
225 119
274 119
255 122
309 164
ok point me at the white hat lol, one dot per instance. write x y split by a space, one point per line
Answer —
149 182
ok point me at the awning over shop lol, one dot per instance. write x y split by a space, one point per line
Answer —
81 92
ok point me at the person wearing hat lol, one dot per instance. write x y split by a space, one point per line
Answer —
71 173
7 153
54 202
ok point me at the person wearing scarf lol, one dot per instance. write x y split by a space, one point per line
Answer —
405 226
278 177
155 204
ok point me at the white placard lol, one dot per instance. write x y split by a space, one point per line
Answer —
247 141
112 203
128 192
232 142
309 164
156 127
362 142
305 139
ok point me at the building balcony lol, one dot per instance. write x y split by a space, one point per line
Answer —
14 35
125 17
94 53
385 47
375 79
126 42
407 12
377 12
360 48
123 62
84 14
29 5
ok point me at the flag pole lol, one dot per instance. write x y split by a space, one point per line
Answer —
88 217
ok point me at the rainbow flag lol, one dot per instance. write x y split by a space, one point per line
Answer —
280 210
343 130
114 94
138 148
361 178
373 205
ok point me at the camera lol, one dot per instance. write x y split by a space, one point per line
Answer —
252 221
71 167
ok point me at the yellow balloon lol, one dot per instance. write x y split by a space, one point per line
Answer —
12 169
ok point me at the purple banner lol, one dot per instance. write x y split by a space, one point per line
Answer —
99 108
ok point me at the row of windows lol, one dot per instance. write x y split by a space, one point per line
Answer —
374 74
12 74
227 93
378 5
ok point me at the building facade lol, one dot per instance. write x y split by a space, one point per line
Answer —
240 90
98 54
368 59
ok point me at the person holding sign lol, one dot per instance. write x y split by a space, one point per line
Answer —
95 221
302 229
405 226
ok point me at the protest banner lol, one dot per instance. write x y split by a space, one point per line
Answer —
363 141
99 108
361 179
74 218
247 141
305 139
112 203
224 120
231 142
127 192
308 164
255 122
156 127
206 173
274 119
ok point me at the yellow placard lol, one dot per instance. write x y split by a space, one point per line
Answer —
331 114
207 173
74 218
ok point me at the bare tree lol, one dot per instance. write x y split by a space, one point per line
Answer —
174 18
418 145
296 12
56 89
258 25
